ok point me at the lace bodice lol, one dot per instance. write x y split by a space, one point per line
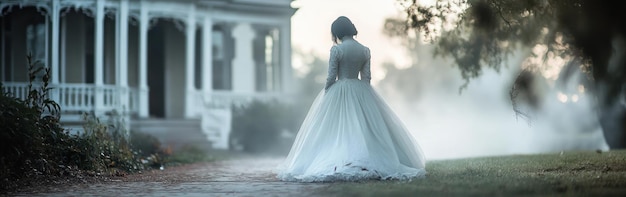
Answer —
347 61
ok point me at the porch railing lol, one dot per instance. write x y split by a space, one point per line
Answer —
222 99
75 97
227 98
82 97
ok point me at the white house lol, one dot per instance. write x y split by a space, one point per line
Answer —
182 61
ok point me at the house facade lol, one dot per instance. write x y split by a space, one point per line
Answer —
151 59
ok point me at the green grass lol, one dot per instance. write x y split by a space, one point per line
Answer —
559 174
189 154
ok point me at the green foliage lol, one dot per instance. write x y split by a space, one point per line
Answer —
188 154
33 144
586 34
259 126
31 134
145 144
148 150
482 33
101 148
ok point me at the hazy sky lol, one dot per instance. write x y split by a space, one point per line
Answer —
311 27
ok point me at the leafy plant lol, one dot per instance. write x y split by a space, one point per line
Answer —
31 134
104 148
33 145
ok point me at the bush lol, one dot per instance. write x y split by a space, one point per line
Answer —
33 143
264 127
31 136
148 148
145 144
188 154
103 149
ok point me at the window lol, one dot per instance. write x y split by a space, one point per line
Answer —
221 65
36 41
36 45
266 57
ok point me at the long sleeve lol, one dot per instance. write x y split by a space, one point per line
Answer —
366 74
333 66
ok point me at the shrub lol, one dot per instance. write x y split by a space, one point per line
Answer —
102 149
260 127
188 154
30 130
145 144
33 143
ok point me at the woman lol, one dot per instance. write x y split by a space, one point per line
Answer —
350 134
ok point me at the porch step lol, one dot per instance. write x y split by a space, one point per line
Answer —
74 122
213 133
72 118
173 133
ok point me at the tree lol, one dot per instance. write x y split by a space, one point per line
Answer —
589 35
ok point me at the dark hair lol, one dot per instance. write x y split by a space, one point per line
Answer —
341 27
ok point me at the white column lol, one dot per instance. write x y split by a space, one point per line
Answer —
144 22
207 57
190 61
62 77
243 63
215 122
285 60
99 59
54 71
54 53
47 41
121 69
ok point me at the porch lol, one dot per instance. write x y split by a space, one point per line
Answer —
150 60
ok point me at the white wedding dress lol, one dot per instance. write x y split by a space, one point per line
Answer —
349 133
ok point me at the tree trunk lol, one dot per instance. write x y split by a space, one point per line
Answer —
613 123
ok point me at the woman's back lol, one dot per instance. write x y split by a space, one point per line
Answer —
350 133
351 57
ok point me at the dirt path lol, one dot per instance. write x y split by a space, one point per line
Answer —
238 177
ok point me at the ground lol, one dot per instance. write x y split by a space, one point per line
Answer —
250 176
558 174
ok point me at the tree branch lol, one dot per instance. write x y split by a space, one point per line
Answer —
500 12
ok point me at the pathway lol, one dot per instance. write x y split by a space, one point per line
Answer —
238 177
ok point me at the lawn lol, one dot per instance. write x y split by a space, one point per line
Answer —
588 173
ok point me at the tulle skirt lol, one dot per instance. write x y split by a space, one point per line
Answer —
350 134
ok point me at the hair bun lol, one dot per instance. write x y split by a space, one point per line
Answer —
342 26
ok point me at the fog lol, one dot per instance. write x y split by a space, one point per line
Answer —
480 120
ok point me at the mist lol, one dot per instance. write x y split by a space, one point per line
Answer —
479 120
